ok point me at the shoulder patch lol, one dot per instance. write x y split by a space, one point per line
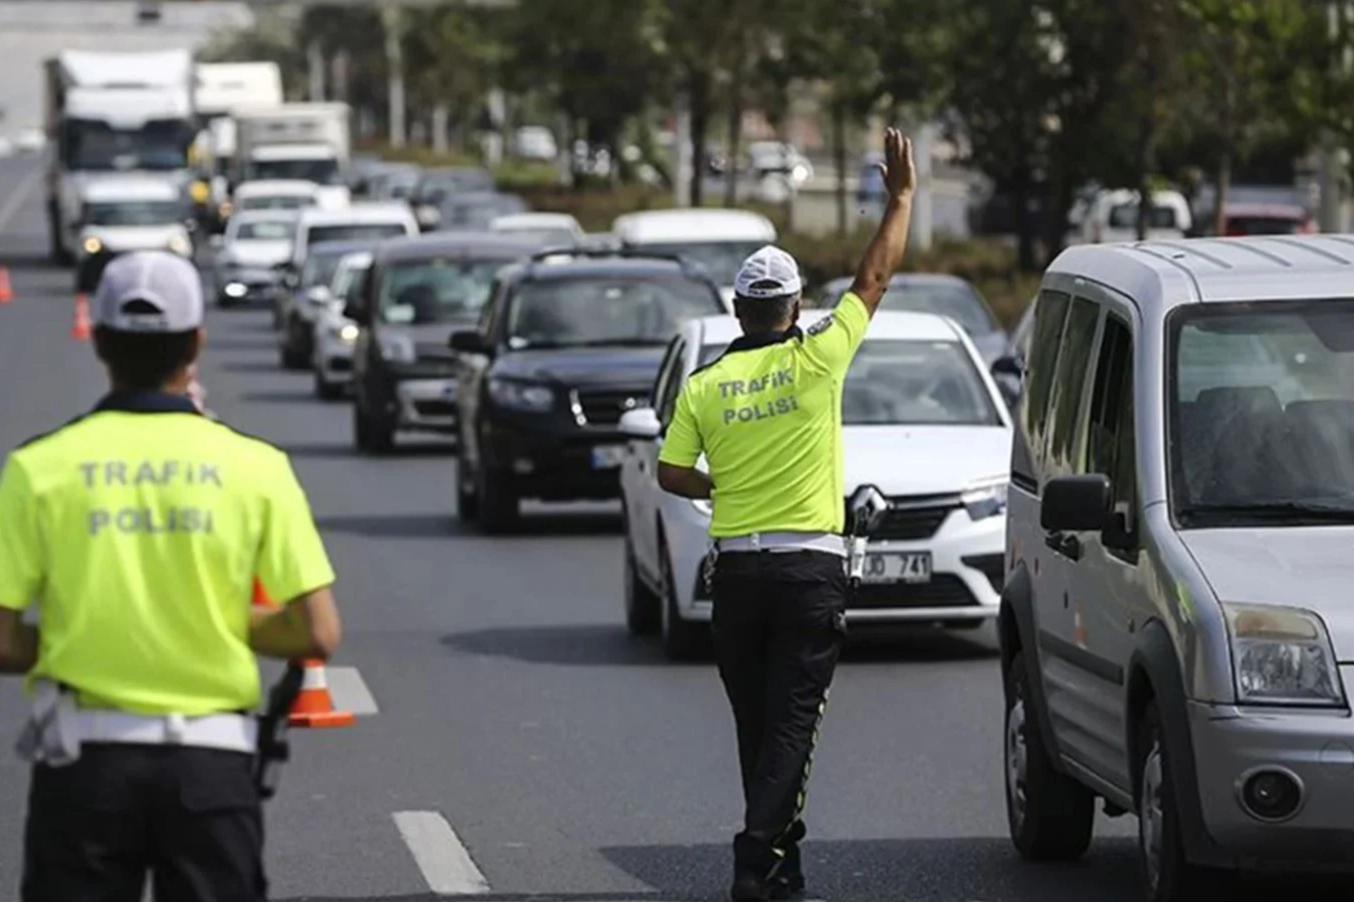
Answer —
822 325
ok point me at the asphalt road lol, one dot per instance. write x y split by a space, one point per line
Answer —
514 712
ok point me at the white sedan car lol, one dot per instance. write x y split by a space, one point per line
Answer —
923 422
335 334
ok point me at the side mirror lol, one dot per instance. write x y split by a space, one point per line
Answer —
468 341
319 295
640 423
1008 365
1076 504
357 312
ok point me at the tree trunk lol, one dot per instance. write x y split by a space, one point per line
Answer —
735 137
1020 209
1221 186
839 160
700 122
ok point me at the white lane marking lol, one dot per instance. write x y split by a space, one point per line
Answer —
12 204
444 861
349 691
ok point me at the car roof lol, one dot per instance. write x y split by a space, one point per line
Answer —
296 187
841 283
347 246
363 212
270 215
1163 275
567 266
535 221
886 324
657 226
133 188
437 244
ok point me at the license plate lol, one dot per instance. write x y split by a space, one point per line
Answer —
605 457
897 567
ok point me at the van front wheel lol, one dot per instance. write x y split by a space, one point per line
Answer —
1167 874
1050 815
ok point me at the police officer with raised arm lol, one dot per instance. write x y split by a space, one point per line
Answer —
767 417
137 531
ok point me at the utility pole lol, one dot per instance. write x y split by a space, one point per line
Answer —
392 20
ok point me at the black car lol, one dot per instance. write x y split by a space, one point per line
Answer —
417 291
570 341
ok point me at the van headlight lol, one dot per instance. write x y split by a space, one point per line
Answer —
986 498
180 245
347 333
92 246
521 396
1282 656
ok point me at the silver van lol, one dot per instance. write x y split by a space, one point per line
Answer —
1177 625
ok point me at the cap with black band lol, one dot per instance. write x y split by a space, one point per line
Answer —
149 292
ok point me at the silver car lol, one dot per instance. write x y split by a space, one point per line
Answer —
1176 627
335 334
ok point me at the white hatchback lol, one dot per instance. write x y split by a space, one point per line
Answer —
923 422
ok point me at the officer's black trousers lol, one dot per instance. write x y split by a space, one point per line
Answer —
188 817
779 622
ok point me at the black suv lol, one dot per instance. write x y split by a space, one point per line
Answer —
416 292
570 341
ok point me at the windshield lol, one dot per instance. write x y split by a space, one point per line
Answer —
1262 411
958 302
433 291
897 382
321 172
1125 216
478 216
721 258
265 230
158 145
436 186
278 202
320 269
135 213
610 311
356 232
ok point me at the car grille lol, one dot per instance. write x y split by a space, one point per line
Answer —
913 517
604 407
993 567
944 591
434 408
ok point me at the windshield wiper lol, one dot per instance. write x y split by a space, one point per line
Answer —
1279 511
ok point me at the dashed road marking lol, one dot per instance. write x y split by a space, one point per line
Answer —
349 691
15 200
442 858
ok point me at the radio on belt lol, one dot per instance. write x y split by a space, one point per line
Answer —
865 509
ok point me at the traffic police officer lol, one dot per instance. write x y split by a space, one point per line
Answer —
137 530
767 417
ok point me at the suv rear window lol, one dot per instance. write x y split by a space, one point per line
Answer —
606 310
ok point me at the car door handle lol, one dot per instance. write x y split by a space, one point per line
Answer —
1065 544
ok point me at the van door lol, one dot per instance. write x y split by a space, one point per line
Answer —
1059 657
1105 581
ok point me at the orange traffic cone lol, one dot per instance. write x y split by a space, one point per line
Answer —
80 329
315 707
6 290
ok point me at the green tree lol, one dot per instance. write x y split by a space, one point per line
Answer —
1245 63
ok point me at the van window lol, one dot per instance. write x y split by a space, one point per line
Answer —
1110 448
1073 363
1050 314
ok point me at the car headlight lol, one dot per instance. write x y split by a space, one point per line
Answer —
986 498
397 350
347 333
1282 656
180 245
93 245
521 396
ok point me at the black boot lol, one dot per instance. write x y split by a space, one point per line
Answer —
787 879
753 862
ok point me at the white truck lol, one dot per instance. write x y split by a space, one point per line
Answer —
221 89
309 141
113 113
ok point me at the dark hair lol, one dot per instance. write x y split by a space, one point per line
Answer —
765 314
144 361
